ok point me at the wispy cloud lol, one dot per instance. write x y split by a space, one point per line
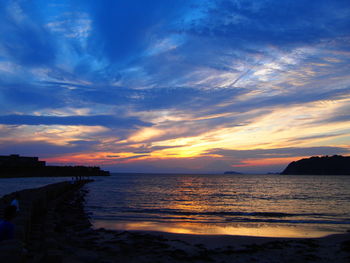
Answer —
174 80
97 120
279 152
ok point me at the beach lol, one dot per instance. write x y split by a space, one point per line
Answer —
64 233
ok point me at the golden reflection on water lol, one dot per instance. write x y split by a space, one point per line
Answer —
210 199
203 229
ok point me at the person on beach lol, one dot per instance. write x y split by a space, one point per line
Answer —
7 228
15 202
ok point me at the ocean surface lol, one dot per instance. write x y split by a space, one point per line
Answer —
255 205
260 205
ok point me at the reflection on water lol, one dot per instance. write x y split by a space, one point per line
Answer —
259 205
202 229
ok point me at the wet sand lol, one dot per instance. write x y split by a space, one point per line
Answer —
72 240
239 229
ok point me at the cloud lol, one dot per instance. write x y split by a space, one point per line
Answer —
21 96
171 165
339 118
318 136
43 149
23 37
149 148
200 72
287 98
122 30
101 120
281 23
132 157
340 114
184 98
113 156
279 152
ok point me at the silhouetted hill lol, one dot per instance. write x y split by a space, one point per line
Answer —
325 165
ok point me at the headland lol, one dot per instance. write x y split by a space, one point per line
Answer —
324 165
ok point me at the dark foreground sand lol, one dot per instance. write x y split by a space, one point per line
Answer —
73 240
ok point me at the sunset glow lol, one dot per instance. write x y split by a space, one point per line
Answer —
159 86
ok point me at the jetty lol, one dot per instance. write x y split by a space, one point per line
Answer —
39 218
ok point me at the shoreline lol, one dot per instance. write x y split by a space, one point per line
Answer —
66 235
241 229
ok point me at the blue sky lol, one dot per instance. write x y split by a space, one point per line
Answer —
175 86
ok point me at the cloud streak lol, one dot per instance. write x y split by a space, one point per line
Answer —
279 152
97 120
175 80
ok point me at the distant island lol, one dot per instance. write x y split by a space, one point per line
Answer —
20 166
324 165
231 172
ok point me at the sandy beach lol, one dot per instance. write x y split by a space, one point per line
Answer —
66 235
112 246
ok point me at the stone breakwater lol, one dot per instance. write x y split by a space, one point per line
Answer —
36 222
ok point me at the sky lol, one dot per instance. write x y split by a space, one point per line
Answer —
193 86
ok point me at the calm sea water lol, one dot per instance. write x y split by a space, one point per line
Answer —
222 204
260 205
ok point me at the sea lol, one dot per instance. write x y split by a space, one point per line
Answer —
214 204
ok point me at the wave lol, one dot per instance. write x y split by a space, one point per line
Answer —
164 215
219 213
302 221
162 219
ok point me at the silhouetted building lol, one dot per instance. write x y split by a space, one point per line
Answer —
15 165
14 160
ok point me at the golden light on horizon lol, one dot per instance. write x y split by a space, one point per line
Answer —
276 128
